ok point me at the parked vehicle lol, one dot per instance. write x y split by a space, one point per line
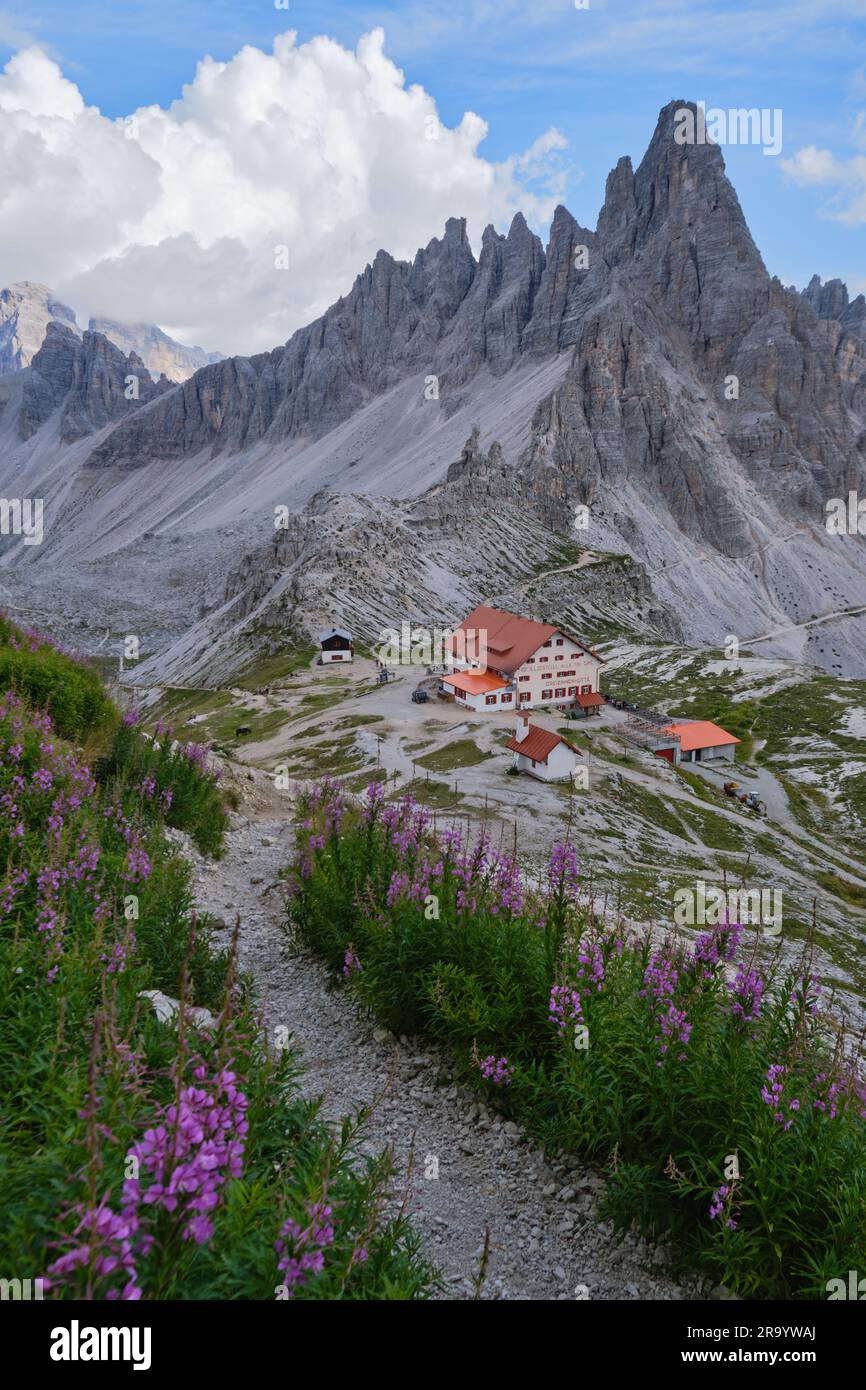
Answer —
749 799
420 697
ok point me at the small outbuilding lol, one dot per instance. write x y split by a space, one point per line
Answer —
542 753
590 702
336 645
700 741
477 689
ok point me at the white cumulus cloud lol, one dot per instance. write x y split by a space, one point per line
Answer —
813 167
177 216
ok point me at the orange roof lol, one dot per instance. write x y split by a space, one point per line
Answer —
590 700
700 733
538 744
510 639
475 682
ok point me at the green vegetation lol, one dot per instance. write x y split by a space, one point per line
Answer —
463 752
270 670
140 1157
340 756
651 807
716 832
174 778
438 796
358 721
842 888
48 678
656 1062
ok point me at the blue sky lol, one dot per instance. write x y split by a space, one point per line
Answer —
599 75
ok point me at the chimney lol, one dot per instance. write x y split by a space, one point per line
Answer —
522 726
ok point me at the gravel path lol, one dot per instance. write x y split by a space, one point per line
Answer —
546 1242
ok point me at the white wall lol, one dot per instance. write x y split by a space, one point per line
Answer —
720 750
558 767
545 673
341 657
479 702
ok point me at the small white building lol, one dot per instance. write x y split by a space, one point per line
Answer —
541 753
336 644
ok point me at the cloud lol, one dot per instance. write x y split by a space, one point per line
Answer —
813 167
176 215
13 34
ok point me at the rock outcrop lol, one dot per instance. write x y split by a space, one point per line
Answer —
26 309
88 379
162 355
688 360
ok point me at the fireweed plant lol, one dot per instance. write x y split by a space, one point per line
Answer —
143 1159
51 678
727 1110
175 777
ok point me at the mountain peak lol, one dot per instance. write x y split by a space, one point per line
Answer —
26 309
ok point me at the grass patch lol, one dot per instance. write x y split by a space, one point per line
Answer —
438 796
270 670
840 887
463 752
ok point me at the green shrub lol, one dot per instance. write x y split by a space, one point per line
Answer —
139 1157
49 678
728 1113
172 778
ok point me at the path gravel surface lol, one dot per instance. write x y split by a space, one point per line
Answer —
471 1171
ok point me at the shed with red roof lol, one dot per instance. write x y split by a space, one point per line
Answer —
542 753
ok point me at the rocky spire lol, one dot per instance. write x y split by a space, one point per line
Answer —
90 378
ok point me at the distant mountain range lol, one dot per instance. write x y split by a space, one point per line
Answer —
435 432
27 308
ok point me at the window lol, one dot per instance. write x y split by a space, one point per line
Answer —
530 660
523 678
586 689
559 693
563 674
547 643
336 656
572 690
506 699
525 697
490 699
547 694
533 762
559 641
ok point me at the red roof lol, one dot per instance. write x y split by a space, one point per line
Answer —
590 700
510 639
538 744
700 733
475 682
